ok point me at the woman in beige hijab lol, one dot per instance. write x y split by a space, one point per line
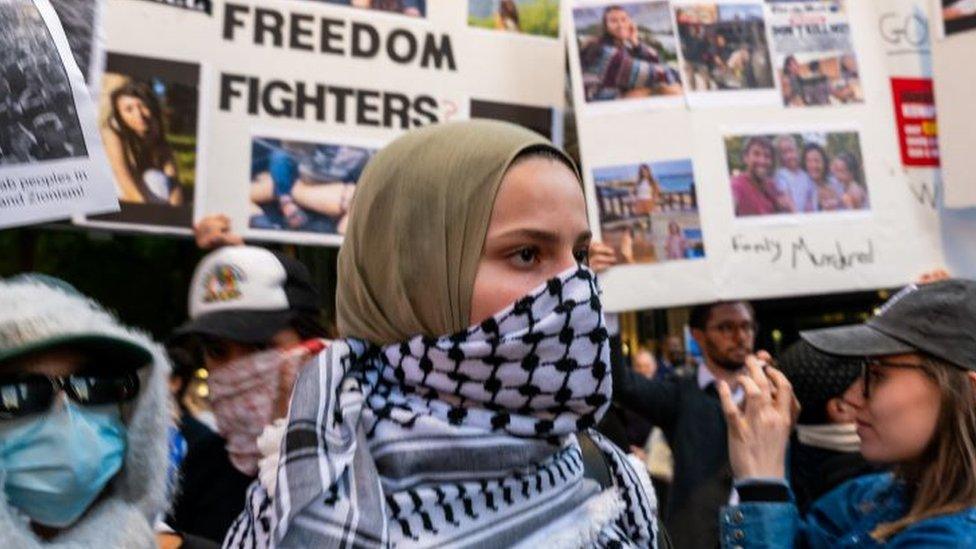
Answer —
474 351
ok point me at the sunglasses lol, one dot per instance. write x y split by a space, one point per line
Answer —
24 395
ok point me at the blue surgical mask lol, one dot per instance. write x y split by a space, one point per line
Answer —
56 464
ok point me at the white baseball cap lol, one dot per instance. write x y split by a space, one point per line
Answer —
247 294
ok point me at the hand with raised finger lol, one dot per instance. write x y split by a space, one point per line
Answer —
759 430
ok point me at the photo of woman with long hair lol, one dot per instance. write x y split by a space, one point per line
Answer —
619 61
141 159
507 18
829 190
647 191
844 168
676 244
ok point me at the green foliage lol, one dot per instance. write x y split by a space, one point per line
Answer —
538 17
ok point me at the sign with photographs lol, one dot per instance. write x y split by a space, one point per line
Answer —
953 23
750 188
268 111
52 164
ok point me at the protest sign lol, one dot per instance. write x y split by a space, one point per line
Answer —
268 111
754 197
52 164
954 77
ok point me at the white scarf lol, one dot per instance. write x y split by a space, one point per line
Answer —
840 437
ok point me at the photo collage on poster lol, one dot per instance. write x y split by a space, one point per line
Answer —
641 55
748 52
299 181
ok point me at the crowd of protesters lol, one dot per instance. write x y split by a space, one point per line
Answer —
471 393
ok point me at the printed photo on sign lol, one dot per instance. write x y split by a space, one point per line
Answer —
204 6
38 117
796 173
149 120
536 17
411 8
649 211
541 120
627 51
724 47
303 187
958 15
815 59
78 18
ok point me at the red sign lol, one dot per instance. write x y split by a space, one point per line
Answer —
918 132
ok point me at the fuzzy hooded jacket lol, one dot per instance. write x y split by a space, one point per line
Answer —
122 518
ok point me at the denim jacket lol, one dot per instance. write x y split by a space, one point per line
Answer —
844 517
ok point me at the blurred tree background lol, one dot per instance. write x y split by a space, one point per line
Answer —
143 278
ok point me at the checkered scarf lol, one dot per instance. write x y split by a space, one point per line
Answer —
465 440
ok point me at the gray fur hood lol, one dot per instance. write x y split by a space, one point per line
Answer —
123 517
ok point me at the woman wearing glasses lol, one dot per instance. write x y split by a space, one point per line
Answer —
916 414
83 419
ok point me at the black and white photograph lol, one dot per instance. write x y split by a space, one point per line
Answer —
38 117
79 19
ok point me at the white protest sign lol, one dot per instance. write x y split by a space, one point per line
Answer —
52 164
269 110
789 183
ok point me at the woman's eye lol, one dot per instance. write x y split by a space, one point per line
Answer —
526 256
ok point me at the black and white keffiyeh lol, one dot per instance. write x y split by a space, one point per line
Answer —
463 441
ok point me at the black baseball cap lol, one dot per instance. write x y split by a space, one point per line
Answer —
938 319
816 378
247 294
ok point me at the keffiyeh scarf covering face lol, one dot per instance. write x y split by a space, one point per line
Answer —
463 440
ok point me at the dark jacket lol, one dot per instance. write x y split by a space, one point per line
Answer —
212 491
693 423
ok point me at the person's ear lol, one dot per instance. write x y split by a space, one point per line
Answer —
972 380
839 411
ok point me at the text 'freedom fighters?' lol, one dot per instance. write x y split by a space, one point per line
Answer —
323 102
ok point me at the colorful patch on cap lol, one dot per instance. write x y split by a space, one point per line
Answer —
223 283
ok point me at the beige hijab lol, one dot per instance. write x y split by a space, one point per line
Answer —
417 228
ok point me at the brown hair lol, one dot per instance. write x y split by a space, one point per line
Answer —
942 480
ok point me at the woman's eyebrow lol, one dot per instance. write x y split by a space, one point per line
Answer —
538 235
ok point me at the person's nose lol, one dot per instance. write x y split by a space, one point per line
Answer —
855 396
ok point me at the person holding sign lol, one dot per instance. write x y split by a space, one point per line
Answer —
916 412
457 409
141 159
